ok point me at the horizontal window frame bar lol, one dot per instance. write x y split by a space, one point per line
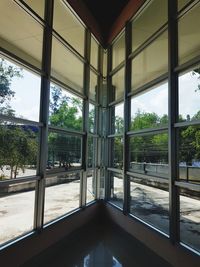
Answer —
149 41
149 85
116 69
116 135
187 8
93 135
68 46
118 171
57 129
148 177
94 70
19 61
187 124
147 131
187 185
30 12
67 88
22 121
116 102
188 248
109 201
20 180
188 65
53 173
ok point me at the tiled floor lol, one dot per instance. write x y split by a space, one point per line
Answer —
98 246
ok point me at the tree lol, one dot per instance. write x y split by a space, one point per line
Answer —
7 73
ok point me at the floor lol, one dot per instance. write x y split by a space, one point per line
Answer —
98 246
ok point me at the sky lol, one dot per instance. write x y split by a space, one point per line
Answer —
27 97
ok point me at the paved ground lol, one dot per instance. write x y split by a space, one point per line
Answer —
149 204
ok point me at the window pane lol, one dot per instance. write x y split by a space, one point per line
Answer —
20 34
116 190
66 67
189 218
148 64
116 154
182 3
37 6
16 209
92 152
105 62
117 119
94 53
93 85
65 109
19 91
118 52
68 26
189 95
149 154
91 185
188 35
62 195
150 108
92 118
189 154
117 89
150 202
147 24
64 152
18 150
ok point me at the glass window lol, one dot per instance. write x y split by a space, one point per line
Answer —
146 24
188 35
92 118
66 67
151 62
16 209
150 202
94 53
116 189
19 91
116 154
65 109
93 86
37 6
150 108
20 34
118 52
182 3
117 118
91 186
189 218
189 95
64 152
149 154
68 26
62 194
118 86
92 149
105 62
18 150
189 154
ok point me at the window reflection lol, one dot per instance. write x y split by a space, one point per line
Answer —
62 195
116 152
65 109
19 91
18 150
91 186
116 193
150 109
92 118
16 210
189 95
149 154
150 202
64 152
117 88
117 119
189 218
189 154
